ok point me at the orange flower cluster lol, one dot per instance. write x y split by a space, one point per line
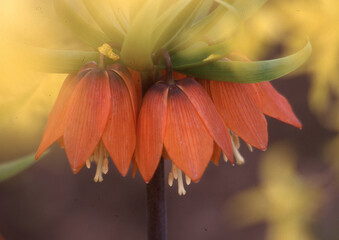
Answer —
99 113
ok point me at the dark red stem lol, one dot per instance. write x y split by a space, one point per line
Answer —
156 205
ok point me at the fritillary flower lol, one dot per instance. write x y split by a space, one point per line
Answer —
181 118
94 117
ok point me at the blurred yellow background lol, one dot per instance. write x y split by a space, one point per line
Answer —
286 197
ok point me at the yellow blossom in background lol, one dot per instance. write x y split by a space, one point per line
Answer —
286 201
287 23
26 96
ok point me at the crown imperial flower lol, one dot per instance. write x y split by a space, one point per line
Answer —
181 118
94 117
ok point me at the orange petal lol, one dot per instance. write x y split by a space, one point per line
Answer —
208 113
275 105
187 141
137 82
56 120
178 76
216 155
130 83
206 85
87 117
151 129
238 105
134 167
119 136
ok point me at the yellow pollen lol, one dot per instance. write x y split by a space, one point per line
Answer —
107 51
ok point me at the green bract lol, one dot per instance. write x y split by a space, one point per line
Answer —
196 33
10 169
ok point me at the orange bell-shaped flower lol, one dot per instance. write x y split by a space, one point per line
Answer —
181 118
95 117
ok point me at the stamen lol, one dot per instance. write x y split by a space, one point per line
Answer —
188 180
176 174
181 188
224 157
170 179
249 147
238 158
100 157
88 163
174 171
105 166
235 140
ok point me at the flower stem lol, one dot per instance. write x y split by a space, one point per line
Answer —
169 69
156 205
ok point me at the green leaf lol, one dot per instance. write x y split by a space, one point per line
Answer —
250 72
203 10
173 21
239 12
14 167
104 17
199 54
196 33
63 61
82 29
219 24
247 8
116 6
137 50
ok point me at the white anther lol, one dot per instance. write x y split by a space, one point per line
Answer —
249 147
236 140
170 179
88 163
188 180
238 158
175 171
105 166
99 156
181 188
224 157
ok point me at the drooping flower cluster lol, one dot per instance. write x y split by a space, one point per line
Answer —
191 118
188 121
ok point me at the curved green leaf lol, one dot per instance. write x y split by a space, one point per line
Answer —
63 61
100 10
119 14
199 54
250 72
14 167
173 21
219 24
137 50
239 12
83 30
